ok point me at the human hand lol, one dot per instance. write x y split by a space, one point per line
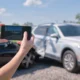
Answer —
26 45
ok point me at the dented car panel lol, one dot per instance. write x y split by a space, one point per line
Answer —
53 46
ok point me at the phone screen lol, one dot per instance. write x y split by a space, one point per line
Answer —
15 32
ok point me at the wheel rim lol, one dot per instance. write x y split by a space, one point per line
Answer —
29 60
69 62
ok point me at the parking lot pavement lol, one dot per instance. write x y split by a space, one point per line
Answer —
45 69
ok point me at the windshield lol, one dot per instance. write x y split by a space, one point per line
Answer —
70 30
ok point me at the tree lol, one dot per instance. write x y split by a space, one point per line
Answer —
28 24
16 24
64 21
78 17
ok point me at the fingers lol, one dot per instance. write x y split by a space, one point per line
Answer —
32 38
25 36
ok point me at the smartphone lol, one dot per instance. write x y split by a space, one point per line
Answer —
28 29
11 32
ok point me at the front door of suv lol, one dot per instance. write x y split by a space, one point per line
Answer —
52 43
40 39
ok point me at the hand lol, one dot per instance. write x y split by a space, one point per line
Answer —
26 45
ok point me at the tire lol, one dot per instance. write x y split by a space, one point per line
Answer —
70 61
29 60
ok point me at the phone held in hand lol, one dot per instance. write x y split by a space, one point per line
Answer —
11 32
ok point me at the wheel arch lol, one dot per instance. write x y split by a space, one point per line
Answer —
64 50
33 50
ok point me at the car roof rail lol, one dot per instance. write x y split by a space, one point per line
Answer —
52 23
46 24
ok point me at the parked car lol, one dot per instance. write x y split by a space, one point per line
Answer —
9 48
60 42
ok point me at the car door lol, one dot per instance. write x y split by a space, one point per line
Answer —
52 43
40 38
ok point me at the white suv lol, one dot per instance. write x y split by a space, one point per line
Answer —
60 42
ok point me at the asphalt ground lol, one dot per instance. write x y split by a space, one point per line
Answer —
45 69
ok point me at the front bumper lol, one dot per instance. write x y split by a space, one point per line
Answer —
8 51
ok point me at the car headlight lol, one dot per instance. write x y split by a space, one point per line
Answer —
6 45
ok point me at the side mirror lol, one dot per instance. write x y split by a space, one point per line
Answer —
54 35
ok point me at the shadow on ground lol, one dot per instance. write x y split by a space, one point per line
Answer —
39 65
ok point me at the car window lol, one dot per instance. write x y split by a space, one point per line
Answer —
70 30
52 30
41 30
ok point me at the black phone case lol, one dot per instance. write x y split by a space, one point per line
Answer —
28 29
7 35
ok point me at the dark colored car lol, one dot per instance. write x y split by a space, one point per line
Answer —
8 49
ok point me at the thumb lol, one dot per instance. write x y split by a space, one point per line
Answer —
25 36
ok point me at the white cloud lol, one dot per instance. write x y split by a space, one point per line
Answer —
2 11
32 2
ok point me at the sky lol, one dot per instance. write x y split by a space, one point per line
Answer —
38 11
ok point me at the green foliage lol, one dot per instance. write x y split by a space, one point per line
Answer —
78 22
78 18
16 24
28 24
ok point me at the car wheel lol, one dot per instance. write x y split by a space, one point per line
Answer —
29 60
70 61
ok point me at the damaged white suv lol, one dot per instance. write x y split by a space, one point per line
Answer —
60 42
